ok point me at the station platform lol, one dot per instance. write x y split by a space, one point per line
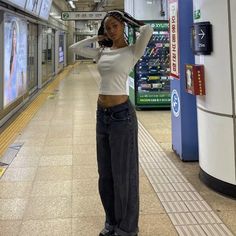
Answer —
50 185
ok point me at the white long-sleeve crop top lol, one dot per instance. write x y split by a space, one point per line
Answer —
114 65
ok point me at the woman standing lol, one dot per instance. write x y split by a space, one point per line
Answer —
117 129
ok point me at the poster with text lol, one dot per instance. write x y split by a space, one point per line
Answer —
174 38
15 58
45 9
33 6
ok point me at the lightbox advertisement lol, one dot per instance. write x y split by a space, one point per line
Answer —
15 58
17 3
33 6
45 9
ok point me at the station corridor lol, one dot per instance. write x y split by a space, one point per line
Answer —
50 187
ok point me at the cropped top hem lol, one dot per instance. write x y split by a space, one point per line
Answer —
113 93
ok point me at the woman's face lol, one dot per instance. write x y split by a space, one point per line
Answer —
114 28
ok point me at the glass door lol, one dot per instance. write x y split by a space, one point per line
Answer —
32 57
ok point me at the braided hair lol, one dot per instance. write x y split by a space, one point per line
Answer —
121 17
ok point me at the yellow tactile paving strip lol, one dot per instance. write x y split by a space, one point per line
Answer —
13 130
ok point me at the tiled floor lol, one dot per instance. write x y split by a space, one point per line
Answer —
50 188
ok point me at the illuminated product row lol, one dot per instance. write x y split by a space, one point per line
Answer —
151 73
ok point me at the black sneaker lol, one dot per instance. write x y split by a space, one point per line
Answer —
106 232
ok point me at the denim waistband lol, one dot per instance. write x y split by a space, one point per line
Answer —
116 108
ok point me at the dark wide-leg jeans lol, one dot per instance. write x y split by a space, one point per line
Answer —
117 158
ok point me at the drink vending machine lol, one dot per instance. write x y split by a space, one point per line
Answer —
149 83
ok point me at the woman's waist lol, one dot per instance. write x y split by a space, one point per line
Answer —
107 101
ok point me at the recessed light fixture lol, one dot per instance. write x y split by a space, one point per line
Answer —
149 2
72 4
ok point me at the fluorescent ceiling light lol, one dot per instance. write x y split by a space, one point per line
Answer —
149 2
72 4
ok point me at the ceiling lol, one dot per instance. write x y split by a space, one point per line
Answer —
98 5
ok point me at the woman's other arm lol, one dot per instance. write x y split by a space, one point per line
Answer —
142 41
82 48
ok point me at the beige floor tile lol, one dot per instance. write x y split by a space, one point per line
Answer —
149 204
30 151
145 186
232 228
58 141
91 140
84 149
15 189
228 217
82 159
55 227
19 175
49 188
89 126
156 225
219 202
84 187
9 228
54 173
84 172
33 134
25 161
84 133
86 206
60 133
56 160
57 150
33 142
141 172
48 208
12 209
84 226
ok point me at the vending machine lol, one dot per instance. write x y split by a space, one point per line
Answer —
149 83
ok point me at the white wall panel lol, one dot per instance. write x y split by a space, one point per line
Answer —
233 32
217 65
216 146
141 10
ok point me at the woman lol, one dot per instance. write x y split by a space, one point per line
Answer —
117 129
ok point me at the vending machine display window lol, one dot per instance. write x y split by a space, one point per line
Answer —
151 73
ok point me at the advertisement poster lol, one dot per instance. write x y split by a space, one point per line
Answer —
45 9
15 58
174 38
61 48
17 3
33 6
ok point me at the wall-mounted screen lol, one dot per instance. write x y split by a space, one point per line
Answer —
33 6
15 58
16 3
45 9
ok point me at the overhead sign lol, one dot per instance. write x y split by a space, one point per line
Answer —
82 15
174 38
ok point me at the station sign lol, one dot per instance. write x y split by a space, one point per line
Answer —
82 15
